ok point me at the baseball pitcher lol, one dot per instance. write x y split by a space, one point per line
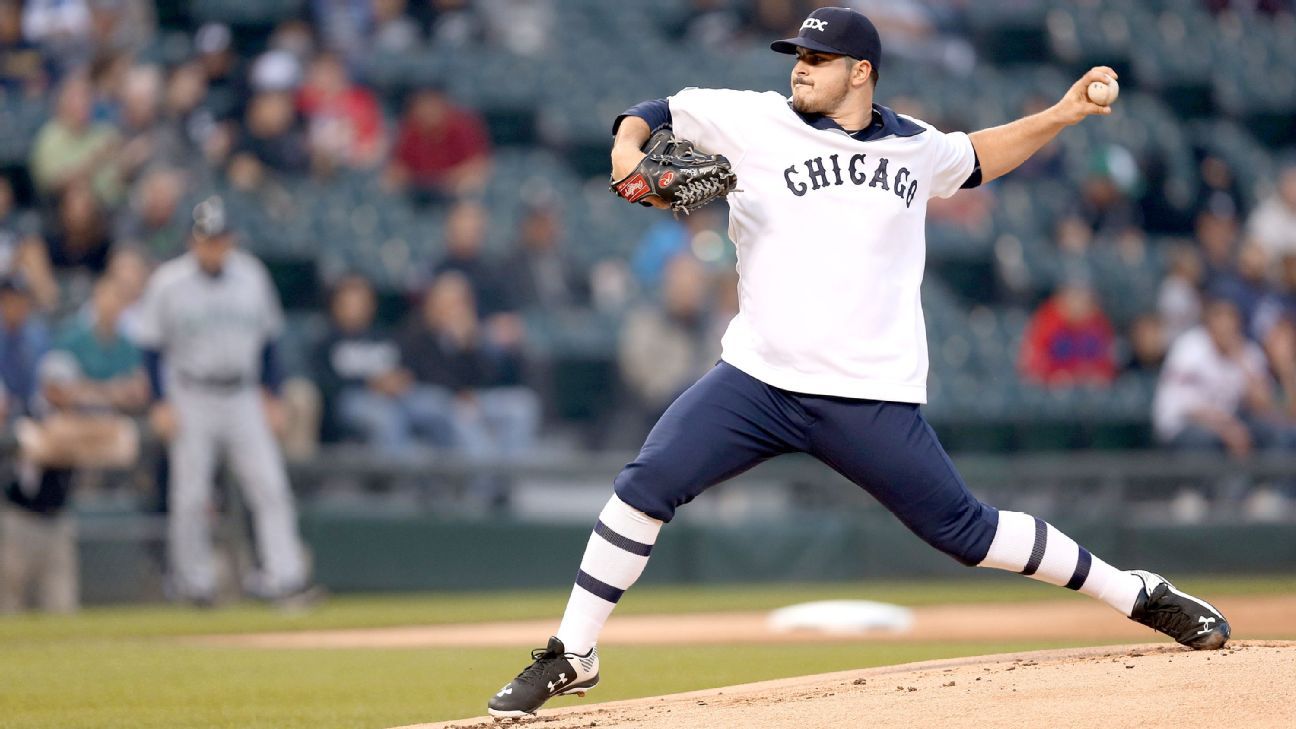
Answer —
827 194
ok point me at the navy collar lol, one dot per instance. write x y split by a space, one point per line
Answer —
885 123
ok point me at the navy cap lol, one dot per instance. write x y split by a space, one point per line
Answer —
209 219
836 30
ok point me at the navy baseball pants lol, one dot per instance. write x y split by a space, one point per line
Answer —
729 421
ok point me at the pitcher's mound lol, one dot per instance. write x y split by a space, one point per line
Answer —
1248 684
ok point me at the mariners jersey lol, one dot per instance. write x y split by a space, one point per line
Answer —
210 327
830 233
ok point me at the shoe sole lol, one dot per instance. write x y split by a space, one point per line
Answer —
519 714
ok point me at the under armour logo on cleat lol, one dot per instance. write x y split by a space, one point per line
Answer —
505 690
562 679
1207 625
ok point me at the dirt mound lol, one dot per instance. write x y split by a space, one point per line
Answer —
1249 684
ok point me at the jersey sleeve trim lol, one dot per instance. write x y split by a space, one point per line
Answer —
974 179
655 112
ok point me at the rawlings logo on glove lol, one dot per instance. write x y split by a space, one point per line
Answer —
676 172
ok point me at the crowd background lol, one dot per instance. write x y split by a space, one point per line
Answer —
426 181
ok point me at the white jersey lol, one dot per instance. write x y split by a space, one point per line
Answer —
210 327
831 240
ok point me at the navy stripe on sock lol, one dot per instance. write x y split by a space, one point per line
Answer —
597 587
1041 543
1083 562
624 542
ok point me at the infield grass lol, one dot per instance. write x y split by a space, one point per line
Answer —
113 668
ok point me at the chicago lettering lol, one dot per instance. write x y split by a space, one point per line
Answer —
817 173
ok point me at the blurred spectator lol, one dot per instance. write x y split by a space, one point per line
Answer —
493 415
92 375
665 347
540 274
272 135
1069 340
119 25
223 68
393 31
153 219
1179 297
23 341
23 252
61 27
1219 191
188 121
70 148
1105 195
276 70
668 238
1280 303
523 27
441 150
139 119
366 391
450 23
108 72
1073 236
110 365
1247 286
1147 345
345 125
1273 223
79 237
23 70
1214 392
1279 344
1217 235
129 270
465 241
913 33
342 24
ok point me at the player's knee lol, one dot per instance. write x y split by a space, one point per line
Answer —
966 535
648 488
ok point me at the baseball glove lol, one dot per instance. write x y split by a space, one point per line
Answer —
677 173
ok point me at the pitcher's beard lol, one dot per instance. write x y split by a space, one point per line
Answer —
803 105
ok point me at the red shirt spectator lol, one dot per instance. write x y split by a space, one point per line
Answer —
440 145
1069 340
345 119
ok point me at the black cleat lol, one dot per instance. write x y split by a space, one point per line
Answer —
1189 620
555 672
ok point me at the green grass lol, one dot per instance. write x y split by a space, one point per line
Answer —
119 667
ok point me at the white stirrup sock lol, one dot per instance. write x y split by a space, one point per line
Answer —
615 556
1033 547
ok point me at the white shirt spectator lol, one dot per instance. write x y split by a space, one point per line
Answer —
1196 377
1179 305
45 21
1273 223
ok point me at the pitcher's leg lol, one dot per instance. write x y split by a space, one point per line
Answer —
723 425
890 450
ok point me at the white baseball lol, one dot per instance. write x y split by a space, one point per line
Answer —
1104 94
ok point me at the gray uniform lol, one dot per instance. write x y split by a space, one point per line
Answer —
211 331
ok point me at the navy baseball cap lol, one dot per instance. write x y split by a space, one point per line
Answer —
836 30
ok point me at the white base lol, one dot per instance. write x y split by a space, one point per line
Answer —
842 616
